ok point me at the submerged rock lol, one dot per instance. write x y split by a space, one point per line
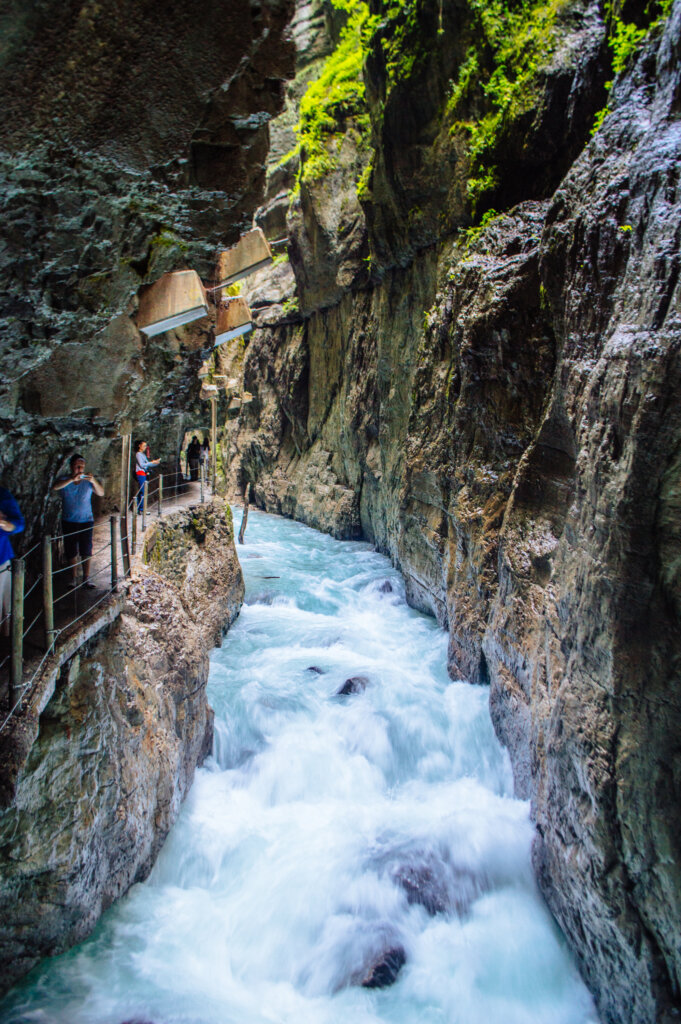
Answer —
432 879
440 887
384 970
356 684
317 671
386 587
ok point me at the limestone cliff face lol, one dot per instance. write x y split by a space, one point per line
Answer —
133 142
117 745
498 412
603 678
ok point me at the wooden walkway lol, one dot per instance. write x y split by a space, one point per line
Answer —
76 608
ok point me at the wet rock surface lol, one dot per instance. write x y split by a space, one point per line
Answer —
438 886
194 550
384 970
355 684
116 751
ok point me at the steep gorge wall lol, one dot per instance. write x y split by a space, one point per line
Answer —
117 745
499 413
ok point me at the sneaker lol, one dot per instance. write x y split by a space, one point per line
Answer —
88 586
72 585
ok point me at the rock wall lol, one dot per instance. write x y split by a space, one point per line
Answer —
131 144
117 745
498 411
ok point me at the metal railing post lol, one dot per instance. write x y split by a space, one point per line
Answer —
160 494
144 505
114 567
214 439
202 477
125 552
48 598
134 528
17 666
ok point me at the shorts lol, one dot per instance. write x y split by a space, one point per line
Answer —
77 539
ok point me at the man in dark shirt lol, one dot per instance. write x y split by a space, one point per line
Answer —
193 457
11 521
77 517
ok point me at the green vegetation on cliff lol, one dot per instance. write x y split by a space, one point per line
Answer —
625 37
510 46
497 89
335 98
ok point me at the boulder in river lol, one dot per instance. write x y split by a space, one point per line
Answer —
439 886
386 587
355 684
383 970
431 879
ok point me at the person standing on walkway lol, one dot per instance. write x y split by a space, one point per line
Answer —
78 520
193 457
11 521
142 463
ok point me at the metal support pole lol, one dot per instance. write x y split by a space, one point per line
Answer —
134 527
244 518
125 441
125 551
214 440
48 600
202 477
127 472
17 666
114 567
160 494
144 505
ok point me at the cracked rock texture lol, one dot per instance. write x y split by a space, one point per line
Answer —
117 745
501 416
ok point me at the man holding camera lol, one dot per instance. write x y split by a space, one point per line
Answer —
76 493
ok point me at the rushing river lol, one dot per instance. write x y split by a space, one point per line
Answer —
328 831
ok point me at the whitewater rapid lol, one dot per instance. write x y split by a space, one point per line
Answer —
326 830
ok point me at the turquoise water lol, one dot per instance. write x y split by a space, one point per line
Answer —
320 822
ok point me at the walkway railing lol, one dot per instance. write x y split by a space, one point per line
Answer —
46 605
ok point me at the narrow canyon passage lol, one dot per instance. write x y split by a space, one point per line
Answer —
329 830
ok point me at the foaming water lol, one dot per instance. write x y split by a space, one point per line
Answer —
327 830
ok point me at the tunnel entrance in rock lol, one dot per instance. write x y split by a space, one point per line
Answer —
193 457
